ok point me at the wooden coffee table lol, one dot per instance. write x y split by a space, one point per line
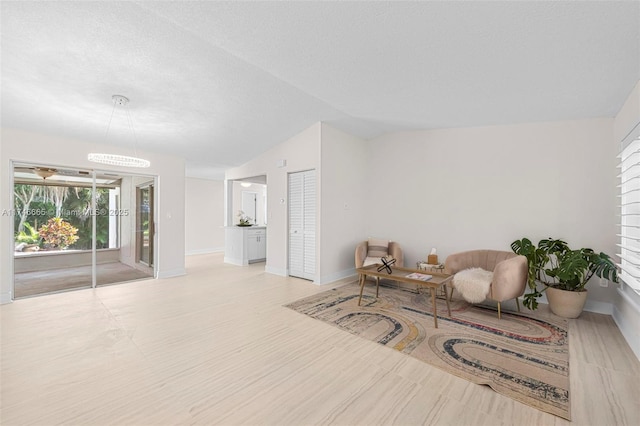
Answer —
438 280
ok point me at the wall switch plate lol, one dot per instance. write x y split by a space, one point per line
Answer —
604 282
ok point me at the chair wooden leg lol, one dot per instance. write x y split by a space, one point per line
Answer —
499 313
518 304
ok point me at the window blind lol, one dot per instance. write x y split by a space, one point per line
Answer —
630 214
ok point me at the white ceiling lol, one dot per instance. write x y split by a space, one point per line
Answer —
221 82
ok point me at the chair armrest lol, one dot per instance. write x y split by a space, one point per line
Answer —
361 254
509 279
396 252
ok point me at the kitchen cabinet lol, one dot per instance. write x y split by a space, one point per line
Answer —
245 244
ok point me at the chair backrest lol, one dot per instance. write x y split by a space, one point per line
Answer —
394 249
485 259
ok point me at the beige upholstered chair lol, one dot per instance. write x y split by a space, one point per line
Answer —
362 250
509 272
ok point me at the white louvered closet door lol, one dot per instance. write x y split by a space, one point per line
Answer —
302 224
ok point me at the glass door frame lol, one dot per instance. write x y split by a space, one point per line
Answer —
149 186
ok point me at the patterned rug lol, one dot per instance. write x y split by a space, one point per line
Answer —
520 356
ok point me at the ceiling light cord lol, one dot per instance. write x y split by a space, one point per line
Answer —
113 110
133 130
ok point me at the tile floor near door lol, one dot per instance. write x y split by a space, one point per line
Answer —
217 347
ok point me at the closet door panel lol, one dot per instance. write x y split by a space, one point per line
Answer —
302 224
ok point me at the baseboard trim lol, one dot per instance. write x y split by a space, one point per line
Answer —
204 251
5 298
599 307
276 271
337 276
626 324
172 273
234 261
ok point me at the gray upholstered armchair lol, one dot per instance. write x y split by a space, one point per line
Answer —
362 251
509 272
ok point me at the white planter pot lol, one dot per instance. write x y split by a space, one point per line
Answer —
566 304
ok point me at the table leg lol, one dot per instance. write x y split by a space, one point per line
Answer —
435 311
377 286
447 299
362 279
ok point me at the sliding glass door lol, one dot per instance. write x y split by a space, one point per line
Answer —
61 245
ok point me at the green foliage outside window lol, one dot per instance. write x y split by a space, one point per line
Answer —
35 207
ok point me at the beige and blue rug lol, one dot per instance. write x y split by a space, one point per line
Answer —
520 356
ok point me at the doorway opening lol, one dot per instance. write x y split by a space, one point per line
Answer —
249 197
246 228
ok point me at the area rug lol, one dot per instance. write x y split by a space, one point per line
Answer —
520 356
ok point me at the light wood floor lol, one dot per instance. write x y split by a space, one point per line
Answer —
217 347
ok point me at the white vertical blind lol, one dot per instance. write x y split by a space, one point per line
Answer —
630 215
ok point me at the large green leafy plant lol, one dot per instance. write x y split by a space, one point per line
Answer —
554 264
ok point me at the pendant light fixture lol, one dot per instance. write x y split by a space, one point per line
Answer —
44 172
116 159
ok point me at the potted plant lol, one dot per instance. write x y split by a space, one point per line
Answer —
243 220
563 272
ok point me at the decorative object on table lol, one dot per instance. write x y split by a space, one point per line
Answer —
432 258
386 264
419 276
438 267
243 220
509 272
522 357
369 252
563 272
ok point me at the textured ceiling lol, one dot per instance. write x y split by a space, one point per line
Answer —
221 82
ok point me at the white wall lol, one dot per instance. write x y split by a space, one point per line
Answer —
301 152
628 117
44 149
204 213
343 208
482 188
626 307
